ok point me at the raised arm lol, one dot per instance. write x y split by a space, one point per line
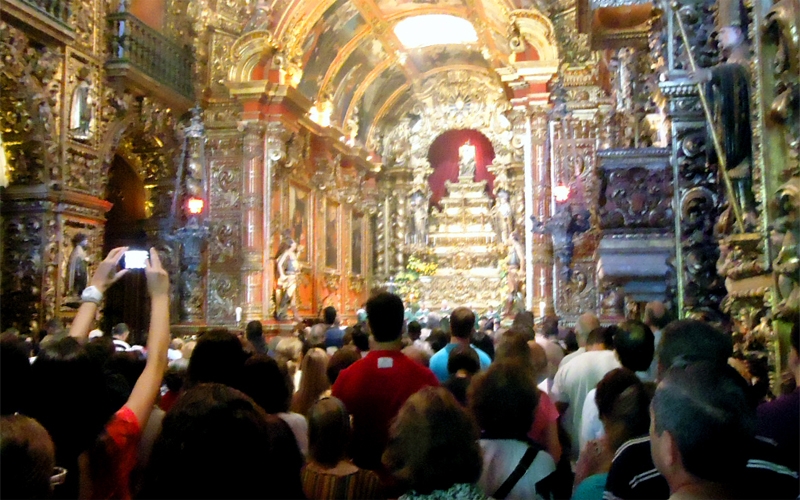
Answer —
146 389
105 276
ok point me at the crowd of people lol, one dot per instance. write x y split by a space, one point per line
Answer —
388 409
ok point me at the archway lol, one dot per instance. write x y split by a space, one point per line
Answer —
443 158
126 301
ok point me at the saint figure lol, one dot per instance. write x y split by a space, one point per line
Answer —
81 113
78 270
287 266
466 161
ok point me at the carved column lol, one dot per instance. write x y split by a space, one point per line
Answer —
383 235
696 189
253 240
401 185
539 277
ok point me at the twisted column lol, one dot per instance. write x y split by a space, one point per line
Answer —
253 243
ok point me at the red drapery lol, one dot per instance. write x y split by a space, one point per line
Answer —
443 157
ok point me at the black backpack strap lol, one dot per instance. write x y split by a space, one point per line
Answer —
516 474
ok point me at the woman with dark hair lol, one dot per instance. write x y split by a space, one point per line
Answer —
433 448
503 400
71 399
328 474
216 442
27 459
462 364
623 402
268 383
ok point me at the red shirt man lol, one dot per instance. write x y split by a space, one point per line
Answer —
374 388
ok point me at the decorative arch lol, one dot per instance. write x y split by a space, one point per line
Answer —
249 52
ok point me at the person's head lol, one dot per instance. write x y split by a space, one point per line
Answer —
66 378
538 360
503 399
691 340
513 345
523 322
289 351
218 357
314 380
329 315
417 355
438 339
702 423
120 332
730 36
414 330
462 323
433 443
80 239
550 326
214 433
655 315
15 375
633 343
340 360
463 360
623 404
267 381
328 431
585 324
597 338
385 314
254 330
27 458
360 338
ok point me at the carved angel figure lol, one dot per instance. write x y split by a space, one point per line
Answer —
418 230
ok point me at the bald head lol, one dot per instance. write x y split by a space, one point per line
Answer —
585 324
655 315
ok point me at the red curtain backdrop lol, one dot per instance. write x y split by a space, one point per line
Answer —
443 157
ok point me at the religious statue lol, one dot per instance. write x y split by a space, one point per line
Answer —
727 87
516 275
503 216
81 113
418 234
288 267
466 161
78 270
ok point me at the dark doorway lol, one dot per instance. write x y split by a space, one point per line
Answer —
126 301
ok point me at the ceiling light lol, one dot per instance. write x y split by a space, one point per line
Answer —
434 29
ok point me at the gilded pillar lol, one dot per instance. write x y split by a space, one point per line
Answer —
383 235
401 185
253 241
696 190
540 276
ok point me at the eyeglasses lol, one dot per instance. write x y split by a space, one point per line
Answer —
59 476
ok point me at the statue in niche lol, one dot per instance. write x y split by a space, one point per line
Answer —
727 86
78 269
288 266
418 234
503 216
81 115
466 161
516 275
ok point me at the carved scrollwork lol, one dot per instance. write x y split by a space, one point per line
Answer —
636 198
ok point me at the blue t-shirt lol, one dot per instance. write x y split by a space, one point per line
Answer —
333 337
438 363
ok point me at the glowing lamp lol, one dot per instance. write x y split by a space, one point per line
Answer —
195 206
561 192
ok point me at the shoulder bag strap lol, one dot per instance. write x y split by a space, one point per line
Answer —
516 474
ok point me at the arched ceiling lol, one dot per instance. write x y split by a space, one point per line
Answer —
349 54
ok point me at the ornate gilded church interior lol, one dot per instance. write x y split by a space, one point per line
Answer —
555 156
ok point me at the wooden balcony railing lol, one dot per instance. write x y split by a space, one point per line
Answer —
134 45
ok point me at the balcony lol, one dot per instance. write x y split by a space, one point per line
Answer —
637 221
149 62
46 19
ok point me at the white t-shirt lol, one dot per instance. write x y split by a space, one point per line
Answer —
573 382
299 426
500 458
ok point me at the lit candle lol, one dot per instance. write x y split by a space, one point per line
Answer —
238 314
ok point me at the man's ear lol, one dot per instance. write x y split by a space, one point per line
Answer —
670 453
